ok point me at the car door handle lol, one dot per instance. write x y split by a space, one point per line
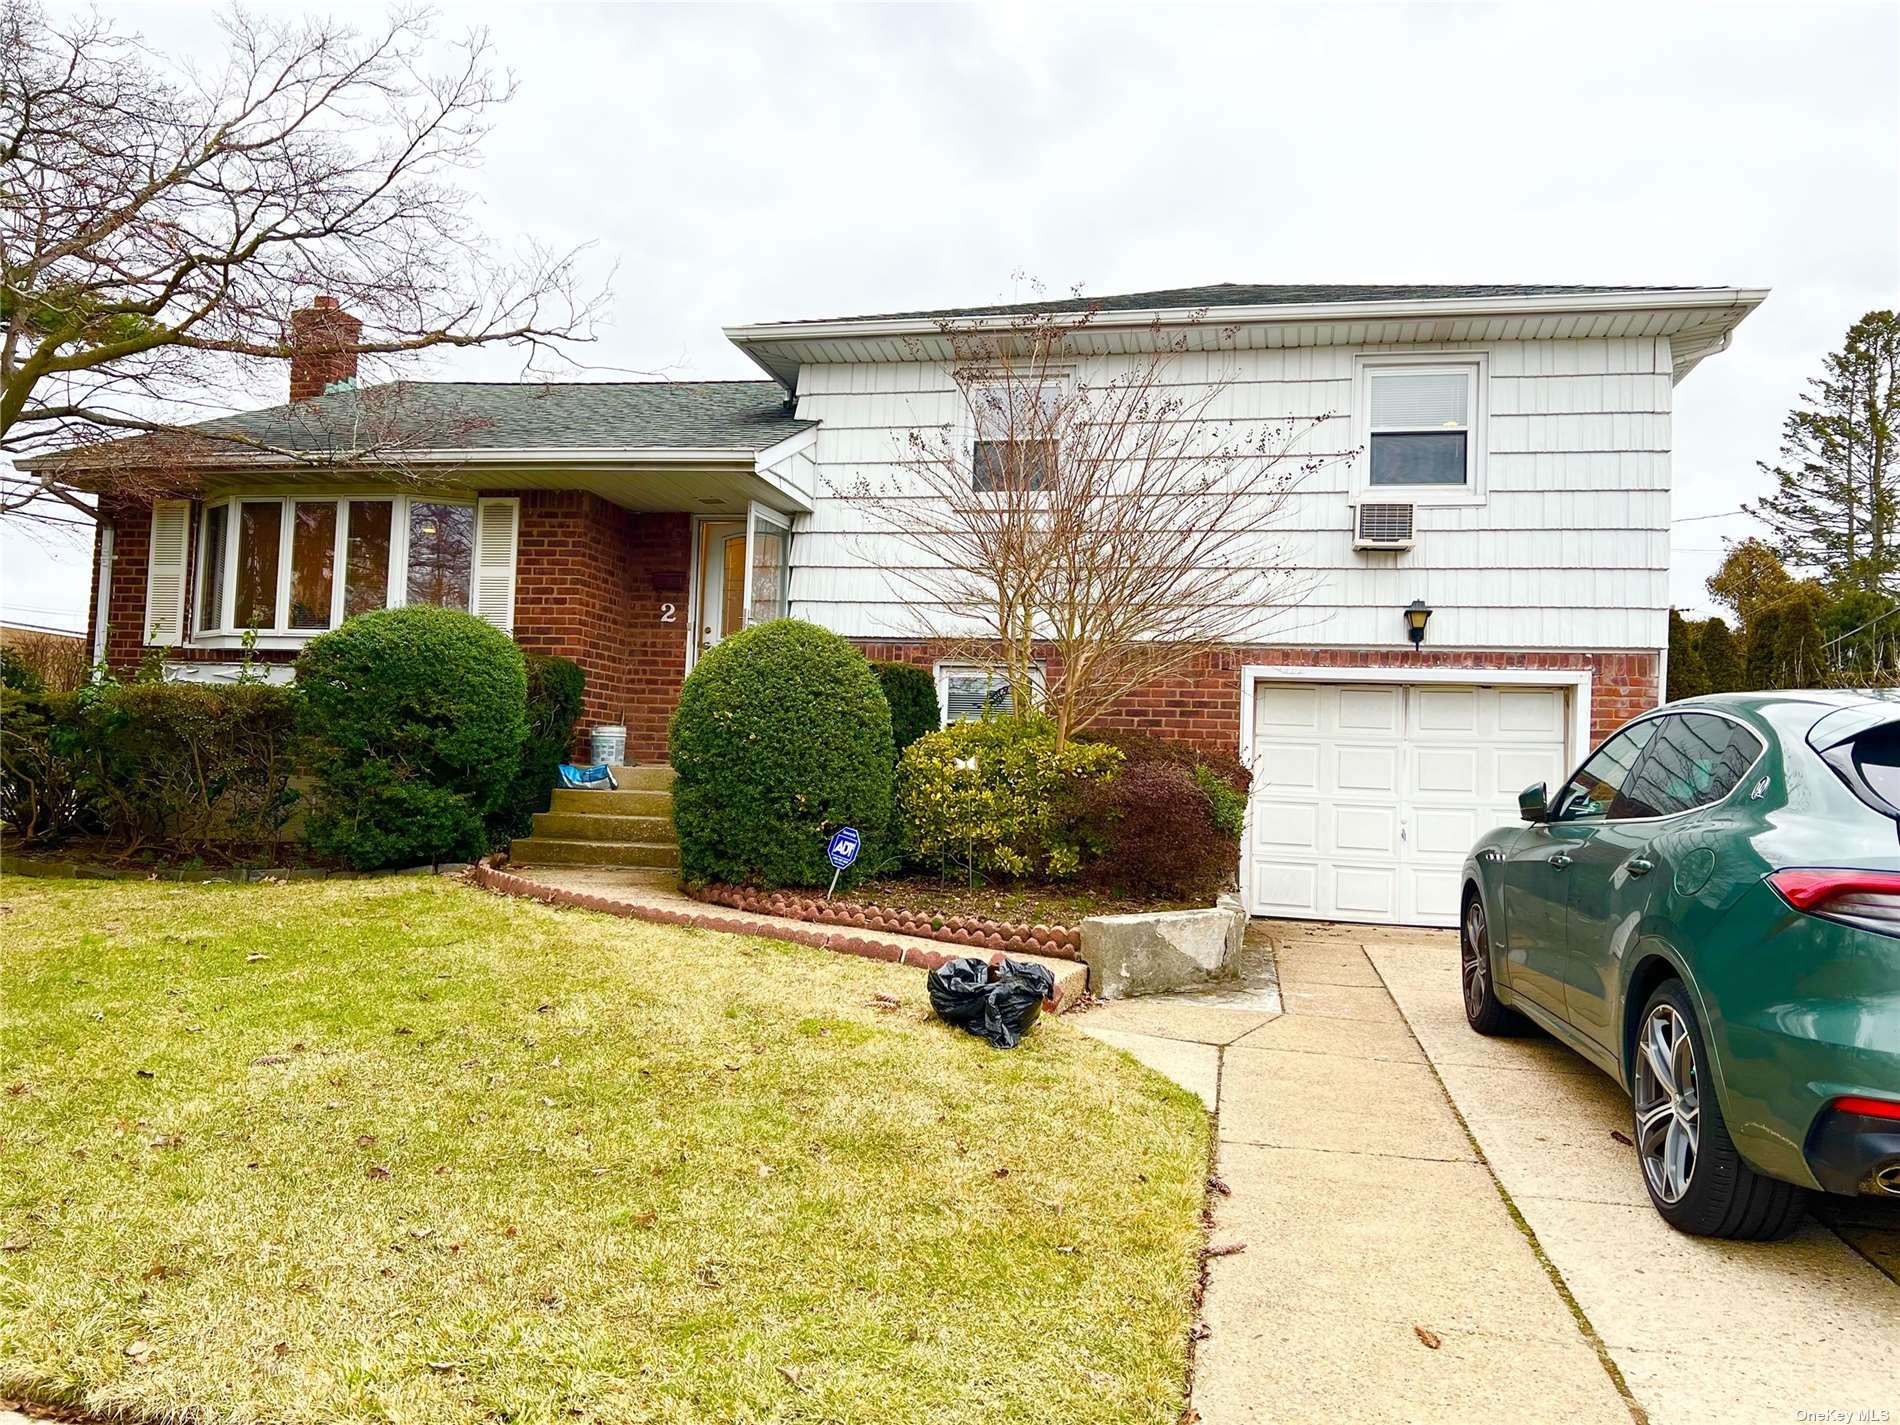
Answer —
1560 860
1641 865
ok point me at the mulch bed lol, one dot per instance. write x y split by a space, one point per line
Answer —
1063 942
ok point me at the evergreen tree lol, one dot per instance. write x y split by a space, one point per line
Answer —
1835 505
1686 676
1784 639
1721 657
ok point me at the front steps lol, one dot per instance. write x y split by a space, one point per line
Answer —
632 826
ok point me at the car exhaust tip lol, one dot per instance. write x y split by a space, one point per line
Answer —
1886 1179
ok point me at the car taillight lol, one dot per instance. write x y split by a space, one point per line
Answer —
1868 1107
1868 899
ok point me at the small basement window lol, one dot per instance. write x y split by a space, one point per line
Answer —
968 691
1420 426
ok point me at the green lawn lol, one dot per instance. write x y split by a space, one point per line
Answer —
401 1150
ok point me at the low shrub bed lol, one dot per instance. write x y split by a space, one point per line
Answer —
979 932
180 769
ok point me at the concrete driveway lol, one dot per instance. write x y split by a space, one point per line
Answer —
1442 1227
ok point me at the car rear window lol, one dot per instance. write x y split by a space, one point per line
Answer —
1877 760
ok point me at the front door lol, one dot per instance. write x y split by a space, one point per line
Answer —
721 581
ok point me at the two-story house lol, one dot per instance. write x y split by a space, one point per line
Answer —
1504 474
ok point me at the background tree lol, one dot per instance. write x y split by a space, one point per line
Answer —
158 223
1784 640
1687 678
1103 517
1750 575
1721 656
1834 505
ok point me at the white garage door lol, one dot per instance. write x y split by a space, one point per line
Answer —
1366 798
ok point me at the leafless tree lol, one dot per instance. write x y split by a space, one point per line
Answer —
158 221
1110 517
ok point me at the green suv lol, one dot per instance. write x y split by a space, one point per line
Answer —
1709 910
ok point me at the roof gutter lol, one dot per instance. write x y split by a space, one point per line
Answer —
1557 304
241 459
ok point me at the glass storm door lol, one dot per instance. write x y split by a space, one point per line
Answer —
722 570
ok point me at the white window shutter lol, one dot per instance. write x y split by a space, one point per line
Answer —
165 563
496 523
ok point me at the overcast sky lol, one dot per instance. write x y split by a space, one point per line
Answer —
745 164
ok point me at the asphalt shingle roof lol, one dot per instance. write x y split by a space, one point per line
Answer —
1243 294
477 415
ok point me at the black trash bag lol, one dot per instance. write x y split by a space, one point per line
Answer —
993 1002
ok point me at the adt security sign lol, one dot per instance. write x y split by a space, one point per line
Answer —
842 850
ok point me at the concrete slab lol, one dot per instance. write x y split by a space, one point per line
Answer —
1327 1364
1195 1067
1681 1389
1353 970
1370 1005
1337 1104
1425 1243
1571 1153
1645 1285
1175 1017
1310 1034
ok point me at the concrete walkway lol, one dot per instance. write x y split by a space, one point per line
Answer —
1387 1272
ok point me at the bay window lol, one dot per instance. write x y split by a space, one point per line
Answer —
295 565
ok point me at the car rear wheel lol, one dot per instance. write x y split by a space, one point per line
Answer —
1484 1011
1696 1178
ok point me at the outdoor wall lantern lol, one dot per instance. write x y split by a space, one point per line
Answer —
1416 615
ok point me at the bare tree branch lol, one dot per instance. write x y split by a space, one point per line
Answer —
1110 516
157 226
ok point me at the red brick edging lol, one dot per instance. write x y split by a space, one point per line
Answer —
1054 942
508 884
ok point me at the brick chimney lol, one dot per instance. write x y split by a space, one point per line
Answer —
316 334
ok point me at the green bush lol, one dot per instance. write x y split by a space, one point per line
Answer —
186 768
412 721
1784 640
1721 656
17 672
995 797
555 686
912 693
782 735
42 764
1688 678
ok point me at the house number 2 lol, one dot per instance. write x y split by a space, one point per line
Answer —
668 612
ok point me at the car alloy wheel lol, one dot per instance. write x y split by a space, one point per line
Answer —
1476 966
1668 1103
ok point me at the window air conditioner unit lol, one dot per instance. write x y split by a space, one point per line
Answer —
1382 526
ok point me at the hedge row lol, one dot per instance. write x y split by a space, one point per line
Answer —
426 735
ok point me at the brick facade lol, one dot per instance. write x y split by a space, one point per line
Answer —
1201 702
593 579
591 583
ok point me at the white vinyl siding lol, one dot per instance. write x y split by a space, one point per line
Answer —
167 559
1565 545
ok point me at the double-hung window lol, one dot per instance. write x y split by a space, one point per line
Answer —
1017 435
1421 427
289 566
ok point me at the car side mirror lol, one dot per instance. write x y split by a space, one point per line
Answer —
1533 803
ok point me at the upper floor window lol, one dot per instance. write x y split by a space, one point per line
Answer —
1017 434
1420 426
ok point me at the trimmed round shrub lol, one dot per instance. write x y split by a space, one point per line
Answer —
912 693
994 796
782 735
555 688
413 721
1161 834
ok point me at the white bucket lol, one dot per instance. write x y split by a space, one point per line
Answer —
609 744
